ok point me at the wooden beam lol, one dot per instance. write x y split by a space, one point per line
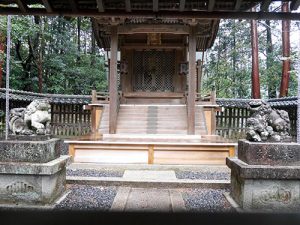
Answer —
113 89
265 5
160 14
192 81
48 6
153 28
100 6
182 5
211 5
295 4
237 5
73 5
22 6
155 5
127 6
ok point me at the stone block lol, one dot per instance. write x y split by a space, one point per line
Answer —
266 153
35 149
32 183
264 187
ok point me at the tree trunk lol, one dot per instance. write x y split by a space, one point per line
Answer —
255 65
284 86
93 50
270 60
38 51
234 61
78 37
2 39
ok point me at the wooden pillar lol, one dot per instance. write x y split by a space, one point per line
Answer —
113 89
255 65
284 86
192 80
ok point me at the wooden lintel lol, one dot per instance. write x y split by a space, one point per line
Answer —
237 5
161 14
295 4
73 5
153 28
127 6
155 5
146 47
211 5
48 6
22 6
265 5
182 5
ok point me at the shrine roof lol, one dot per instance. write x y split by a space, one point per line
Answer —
206 13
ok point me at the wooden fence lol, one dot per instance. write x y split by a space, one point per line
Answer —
70 119
231 122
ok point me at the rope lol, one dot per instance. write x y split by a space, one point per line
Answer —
298 73
7 77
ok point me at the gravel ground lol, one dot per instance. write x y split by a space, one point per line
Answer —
203 175
94 173
85 197
206 200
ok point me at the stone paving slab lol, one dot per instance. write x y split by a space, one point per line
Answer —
143 175
148 200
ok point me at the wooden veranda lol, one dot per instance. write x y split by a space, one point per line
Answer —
153 112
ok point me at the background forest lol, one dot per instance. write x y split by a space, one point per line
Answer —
60 55
54 55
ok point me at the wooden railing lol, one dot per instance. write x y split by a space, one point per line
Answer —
231 122
70 120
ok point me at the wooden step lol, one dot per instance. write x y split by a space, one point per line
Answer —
147 151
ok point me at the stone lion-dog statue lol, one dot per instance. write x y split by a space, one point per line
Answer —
34 119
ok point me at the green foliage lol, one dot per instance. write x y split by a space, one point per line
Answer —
228 63
51 43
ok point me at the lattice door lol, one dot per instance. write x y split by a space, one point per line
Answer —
153 70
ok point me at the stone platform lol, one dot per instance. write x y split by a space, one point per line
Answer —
31 170
266 176
32 183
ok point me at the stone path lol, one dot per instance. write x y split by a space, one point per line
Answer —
148 200
157 188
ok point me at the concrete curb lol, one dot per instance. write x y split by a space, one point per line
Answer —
180 183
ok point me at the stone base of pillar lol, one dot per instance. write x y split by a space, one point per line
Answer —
263 181
31 171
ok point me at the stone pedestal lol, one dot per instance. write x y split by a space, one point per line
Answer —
266 176
31 170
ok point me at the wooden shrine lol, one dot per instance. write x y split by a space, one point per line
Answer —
154 112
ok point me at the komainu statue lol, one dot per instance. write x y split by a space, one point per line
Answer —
34 119
267 124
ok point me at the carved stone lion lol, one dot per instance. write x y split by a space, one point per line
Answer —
34 119
267 124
